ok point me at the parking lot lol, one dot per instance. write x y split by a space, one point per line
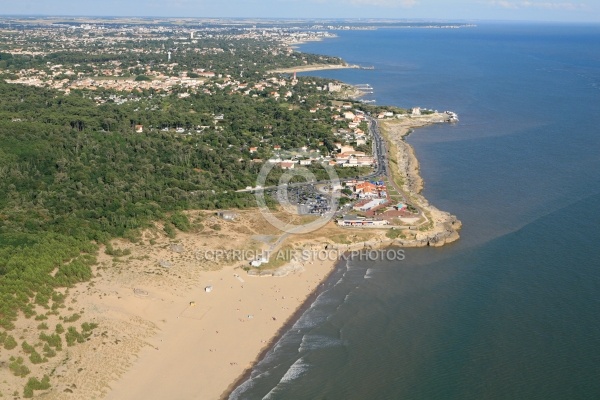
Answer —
307 199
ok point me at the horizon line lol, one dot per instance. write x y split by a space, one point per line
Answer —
355 19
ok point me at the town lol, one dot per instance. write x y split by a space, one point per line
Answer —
156 71
116 133
146 66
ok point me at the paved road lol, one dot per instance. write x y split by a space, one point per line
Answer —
383 163
379 153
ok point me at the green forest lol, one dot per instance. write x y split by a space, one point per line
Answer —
76 172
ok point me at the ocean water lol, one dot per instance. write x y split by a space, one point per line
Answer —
512 310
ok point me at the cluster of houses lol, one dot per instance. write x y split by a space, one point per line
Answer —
370 195
374 206
344 155
106 79
348 157
292 161
96 37
368 189
347 115
353 133
163 76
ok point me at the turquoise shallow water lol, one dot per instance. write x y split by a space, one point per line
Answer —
511 311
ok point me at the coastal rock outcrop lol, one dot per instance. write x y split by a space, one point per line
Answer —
441 227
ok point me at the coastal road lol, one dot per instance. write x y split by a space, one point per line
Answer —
383 167
379 154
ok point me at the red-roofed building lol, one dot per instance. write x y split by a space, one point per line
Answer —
365 187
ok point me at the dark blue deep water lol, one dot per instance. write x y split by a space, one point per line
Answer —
512 310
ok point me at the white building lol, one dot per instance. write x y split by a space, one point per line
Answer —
354 220
370 205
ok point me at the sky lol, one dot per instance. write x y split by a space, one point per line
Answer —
516 10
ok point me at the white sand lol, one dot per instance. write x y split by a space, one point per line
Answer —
161 336
201 350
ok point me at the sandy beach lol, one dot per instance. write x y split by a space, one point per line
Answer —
182 317
161 334
312 67
199 350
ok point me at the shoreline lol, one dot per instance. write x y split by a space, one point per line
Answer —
214 344
312 67
410 168
155 315
288 324
442 227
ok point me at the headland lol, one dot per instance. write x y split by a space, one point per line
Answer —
183 318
